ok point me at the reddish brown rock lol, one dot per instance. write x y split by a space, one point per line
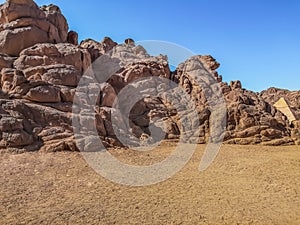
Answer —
18 138
210 62
44 94
6 61
97 49
52 54
272 95
129 41
73 37
41 66
235 84
24 24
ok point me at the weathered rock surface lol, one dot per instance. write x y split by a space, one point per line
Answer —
41 66
272 95
251 117
6 61
24 24
73 38
97 49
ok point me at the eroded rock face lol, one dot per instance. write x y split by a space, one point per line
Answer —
272 95
73 38
96 48
41 66
6 61
46 73
53 54
24 24
251 118
24 125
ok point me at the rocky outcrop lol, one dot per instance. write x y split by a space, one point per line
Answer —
97 49
73 38
250 118
28 126
46 73
272 95
41 66
24 24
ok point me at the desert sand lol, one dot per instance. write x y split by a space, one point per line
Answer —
244 185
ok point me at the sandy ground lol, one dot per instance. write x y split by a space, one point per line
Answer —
244 185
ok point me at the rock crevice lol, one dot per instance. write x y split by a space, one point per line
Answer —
41 65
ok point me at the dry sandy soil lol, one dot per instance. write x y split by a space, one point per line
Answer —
244 185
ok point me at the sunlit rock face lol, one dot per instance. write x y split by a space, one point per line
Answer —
42 64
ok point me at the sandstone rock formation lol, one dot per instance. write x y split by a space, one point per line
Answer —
272 95
97 49
73 38
24 24
41 66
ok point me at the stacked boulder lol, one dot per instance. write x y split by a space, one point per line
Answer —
42 64
24 24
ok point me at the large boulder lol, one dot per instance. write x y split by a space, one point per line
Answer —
53 54
24 24
47 94
96 48
73 38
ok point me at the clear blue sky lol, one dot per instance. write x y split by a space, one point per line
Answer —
256 41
